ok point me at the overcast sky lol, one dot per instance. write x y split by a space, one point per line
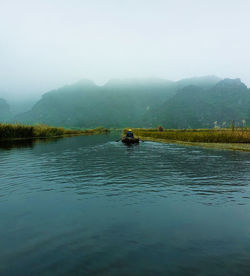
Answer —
45 44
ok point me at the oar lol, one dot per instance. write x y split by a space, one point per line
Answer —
140 139
118 140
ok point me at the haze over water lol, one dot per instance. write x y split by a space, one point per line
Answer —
92 206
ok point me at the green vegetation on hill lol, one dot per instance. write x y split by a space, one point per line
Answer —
18 131
134 102
86 105
196 107
205 102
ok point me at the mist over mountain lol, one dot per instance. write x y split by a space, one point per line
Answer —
5 113
85 104
196 107
18 106
190 103
203 82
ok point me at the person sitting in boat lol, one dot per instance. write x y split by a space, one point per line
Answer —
130 134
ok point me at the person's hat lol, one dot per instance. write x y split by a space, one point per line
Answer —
130 129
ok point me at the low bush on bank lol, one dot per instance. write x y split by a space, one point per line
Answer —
198 135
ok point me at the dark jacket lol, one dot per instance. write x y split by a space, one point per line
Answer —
130 134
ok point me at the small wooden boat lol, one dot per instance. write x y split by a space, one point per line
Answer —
129 140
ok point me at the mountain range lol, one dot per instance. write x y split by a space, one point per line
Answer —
202 102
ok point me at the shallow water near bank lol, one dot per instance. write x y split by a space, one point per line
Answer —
88 205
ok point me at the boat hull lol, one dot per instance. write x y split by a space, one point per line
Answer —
127 140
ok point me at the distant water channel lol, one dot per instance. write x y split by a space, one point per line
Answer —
91 206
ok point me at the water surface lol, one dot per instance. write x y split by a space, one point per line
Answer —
91 206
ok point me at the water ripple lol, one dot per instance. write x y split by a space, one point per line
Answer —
111 169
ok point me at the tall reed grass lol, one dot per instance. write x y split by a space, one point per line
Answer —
198 135
16 131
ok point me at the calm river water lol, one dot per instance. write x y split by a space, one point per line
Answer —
93 206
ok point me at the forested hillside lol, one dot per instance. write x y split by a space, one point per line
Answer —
190 103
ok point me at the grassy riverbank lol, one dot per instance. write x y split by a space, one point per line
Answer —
198 135
18 131
237 139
